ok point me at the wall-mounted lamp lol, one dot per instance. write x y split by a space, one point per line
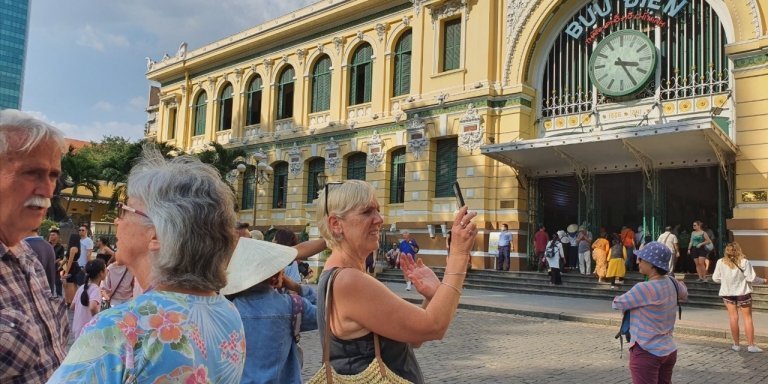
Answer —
431 230
444 230
393 228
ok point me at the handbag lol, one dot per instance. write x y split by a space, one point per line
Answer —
376 373
106 303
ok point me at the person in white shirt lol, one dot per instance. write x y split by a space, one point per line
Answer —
670 240
736 276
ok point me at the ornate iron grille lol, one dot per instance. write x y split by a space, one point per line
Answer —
692 59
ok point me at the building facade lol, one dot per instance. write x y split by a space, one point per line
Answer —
14 23
603 113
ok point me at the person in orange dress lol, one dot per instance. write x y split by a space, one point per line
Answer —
600 249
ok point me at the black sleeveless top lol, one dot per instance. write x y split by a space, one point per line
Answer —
349 357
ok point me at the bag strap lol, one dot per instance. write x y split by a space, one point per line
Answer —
677 298
298 309
114 290
327 336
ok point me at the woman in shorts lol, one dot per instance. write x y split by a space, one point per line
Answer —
736 276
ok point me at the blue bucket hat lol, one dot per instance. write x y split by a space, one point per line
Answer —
655 253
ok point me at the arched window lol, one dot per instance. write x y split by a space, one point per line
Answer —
397 176
402 79
285 94
280 189
200 105
316 166
321 85
356 166
361 75
253 113
225 108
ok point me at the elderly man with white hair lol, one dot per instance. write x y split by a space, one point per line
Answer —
35 325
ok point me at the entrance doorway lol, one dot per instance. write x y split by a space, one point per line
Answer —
614 200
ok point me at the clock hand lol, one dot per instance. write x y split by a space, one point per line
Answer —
626 63
623 66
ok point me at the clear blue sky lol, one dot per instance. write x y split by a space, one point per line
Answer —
85 70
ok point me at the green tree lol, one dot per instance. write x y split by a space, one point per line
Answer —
223 159
118 156
80 171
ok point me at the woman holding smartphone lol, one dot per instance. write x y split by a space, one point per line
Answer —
364 311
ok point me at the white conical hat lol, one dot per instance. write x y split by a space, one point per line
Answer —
255 261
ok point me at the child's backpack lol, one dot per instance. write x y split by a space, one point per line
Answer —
551 249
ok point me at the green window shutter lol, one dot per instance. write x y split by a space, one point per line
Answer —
397 176
254 102
321 85
225 109
200 106
445 167
451 44
315 167
361 75
356 166
280 188
285 94
402 78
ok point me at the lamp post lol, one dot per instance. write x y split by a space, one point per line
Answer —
262 172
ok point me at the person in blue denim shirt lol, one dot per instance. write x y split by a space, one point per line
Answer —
269 317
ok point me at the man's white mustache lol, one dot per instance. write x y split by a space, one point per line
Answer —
37 201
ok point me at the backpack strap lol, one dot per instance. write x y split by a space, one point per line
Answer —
298 309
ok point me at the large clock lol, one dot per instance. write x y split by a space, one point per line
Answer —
622 63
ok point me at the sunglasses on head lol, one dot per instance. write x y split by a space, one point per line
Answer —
122 208
325 192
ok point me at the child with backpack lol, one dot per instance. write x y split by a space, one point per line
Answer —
87 300
554 253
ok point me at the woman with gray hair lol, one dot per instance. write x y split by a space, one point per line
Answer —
366 317
176 237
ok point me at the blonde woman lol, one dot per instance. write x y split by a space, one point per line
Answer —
736 276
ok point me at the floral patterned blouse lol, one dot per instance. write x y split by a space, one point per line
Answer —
160 337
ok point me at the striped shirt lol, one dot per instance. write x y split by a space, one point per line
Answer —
652 318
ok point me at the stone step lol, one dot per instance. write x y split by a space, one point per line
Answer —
700 294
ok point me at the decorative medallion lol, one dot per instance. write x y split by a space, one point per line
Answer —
417 136
332 159
338 41
381 29
375 150
417 5
268 66
300 53
471 135
295 163
447 9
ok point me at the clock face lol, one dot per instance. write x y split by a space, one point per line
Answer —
622 63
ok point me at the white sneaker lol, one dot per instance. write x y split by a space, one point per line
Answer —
754 349
408 286
735 348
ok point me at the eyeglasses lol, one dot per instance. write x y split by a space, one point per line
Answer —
325 192
121 208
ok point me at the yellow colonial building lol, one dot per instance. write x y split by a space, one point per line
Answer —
605 113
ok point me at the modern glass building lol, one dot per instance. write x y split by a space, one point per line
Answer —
14 22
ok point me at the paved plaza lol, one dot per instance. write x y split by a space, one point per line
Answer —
483 347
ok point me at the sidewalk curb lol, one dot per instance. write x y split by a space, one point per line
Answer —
722 334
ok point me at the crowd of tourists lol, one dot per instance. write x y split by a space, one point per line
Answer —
212 302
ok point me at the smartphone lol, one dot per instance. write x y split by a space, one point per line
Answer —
457 192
